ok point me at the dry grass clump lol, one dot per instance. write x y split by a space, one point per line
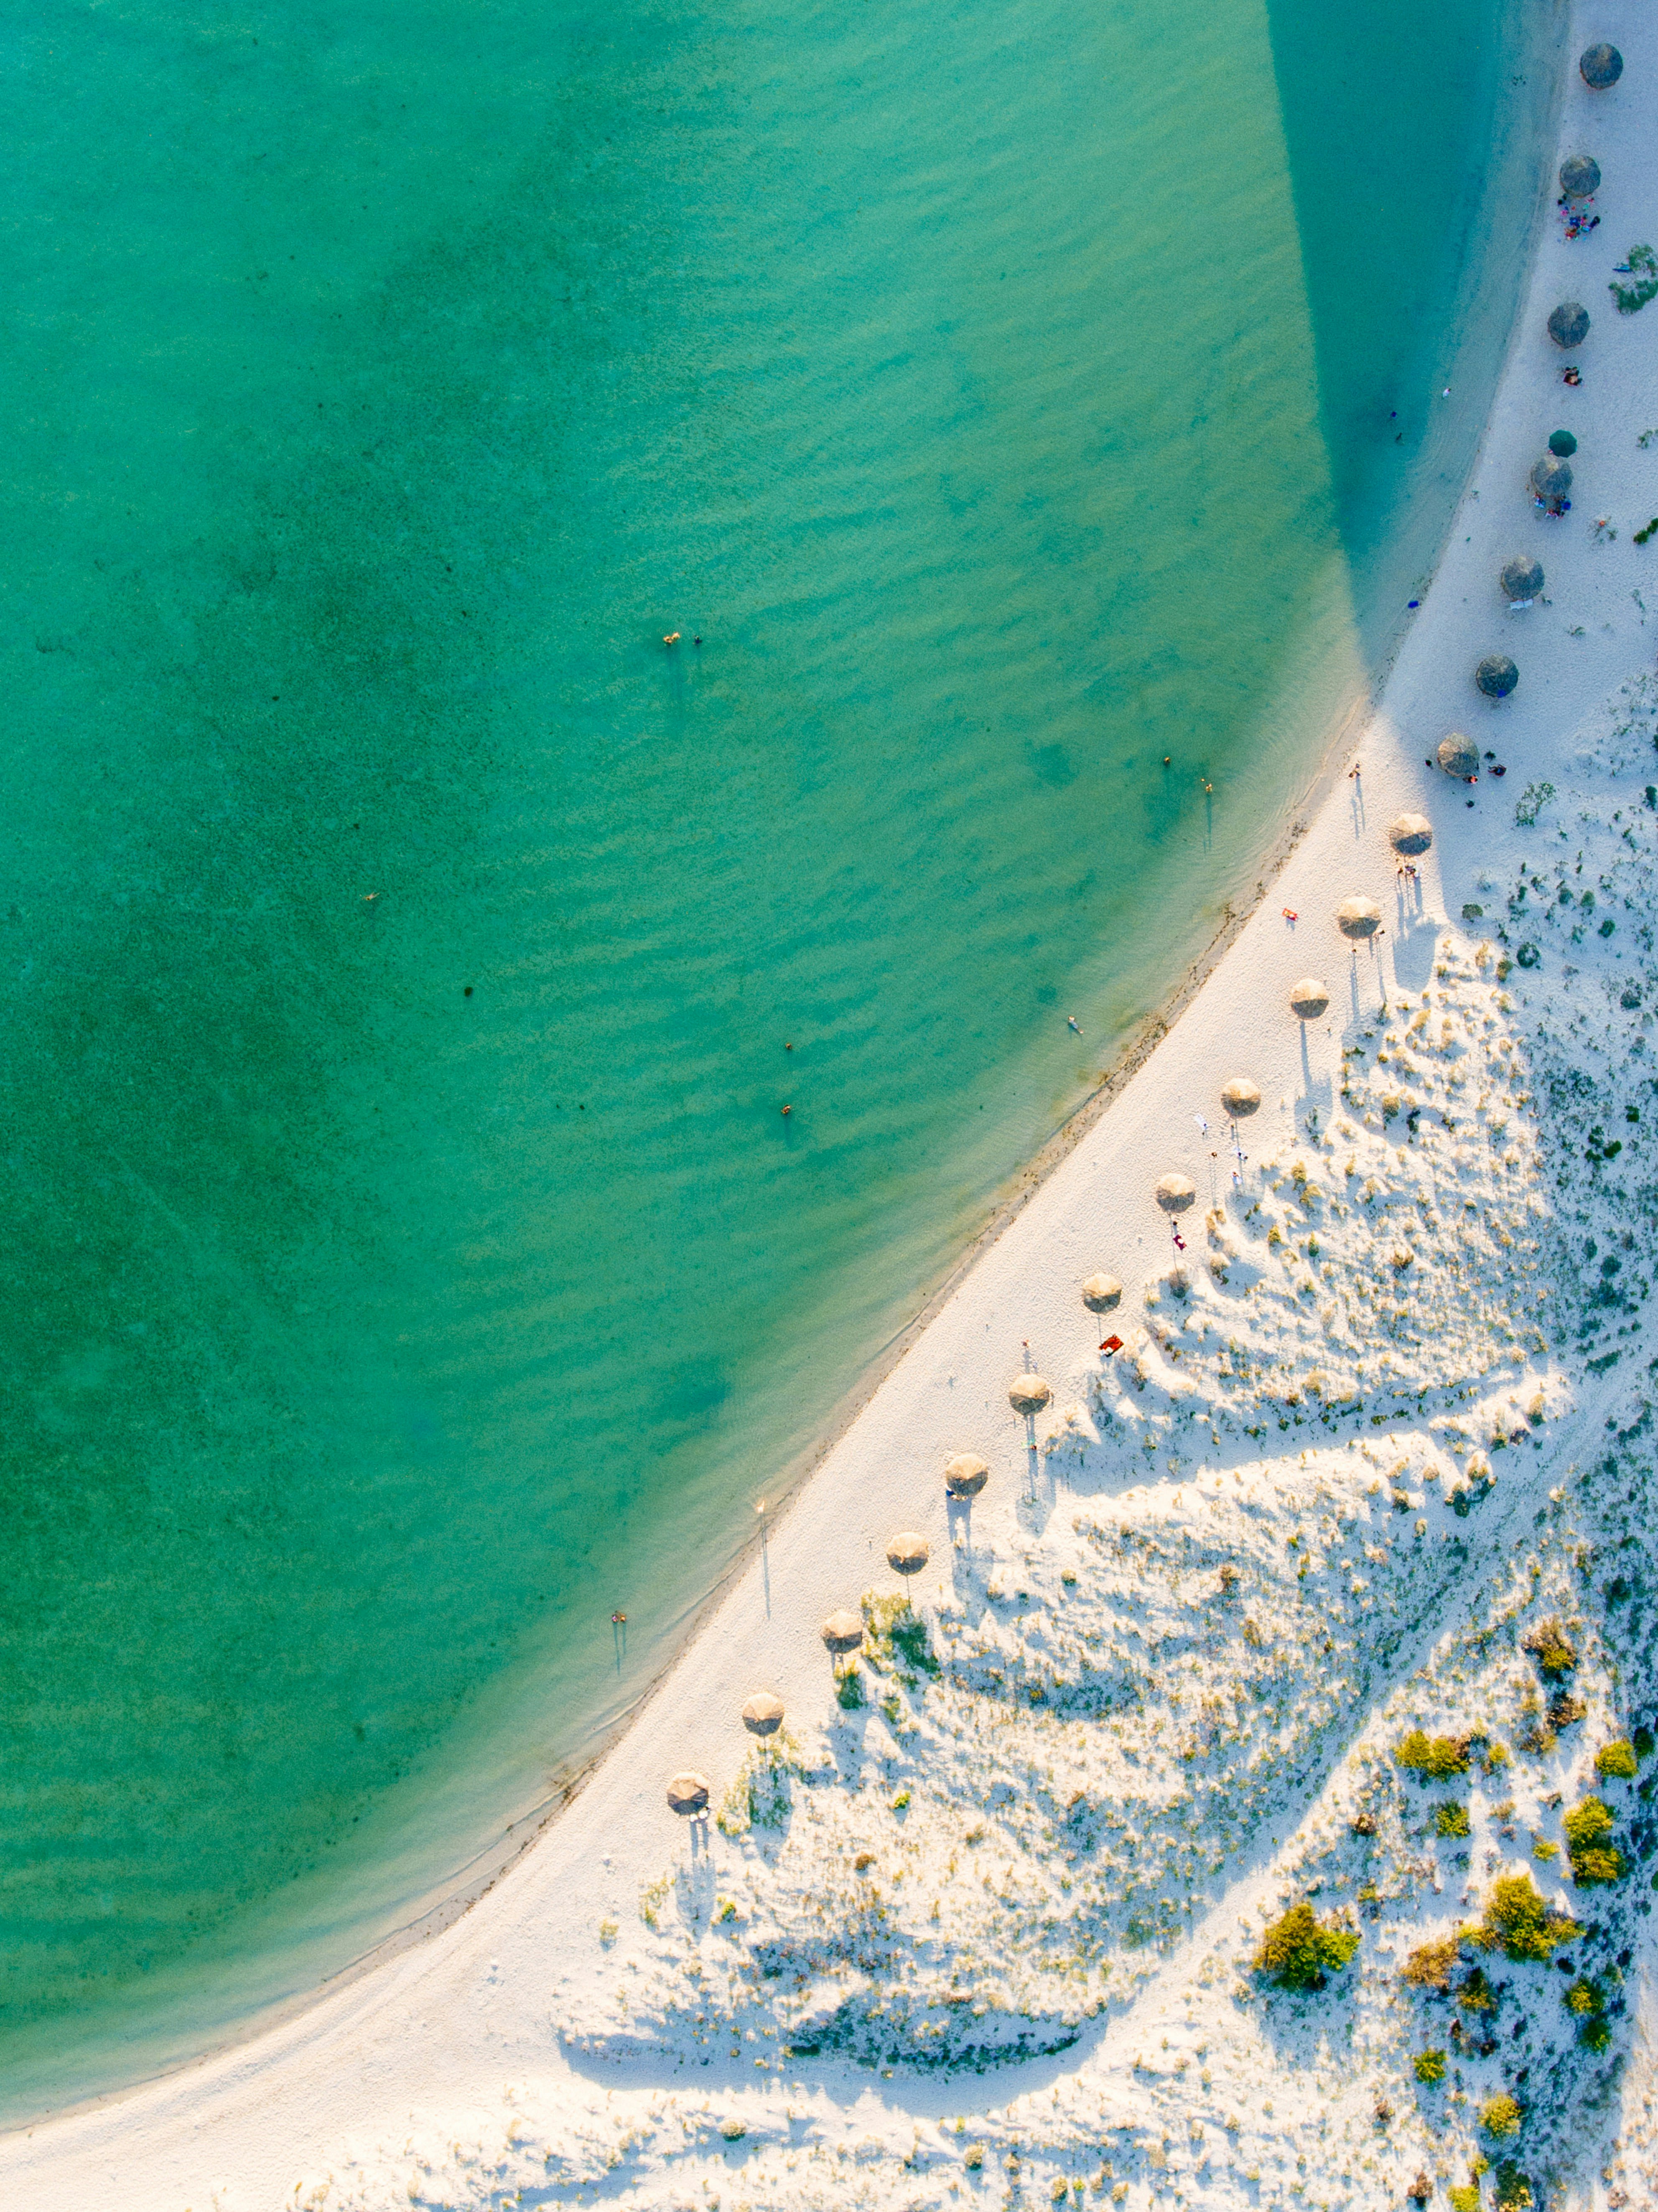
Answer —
1553 1648
1300 1951
1430 1965
1433 1757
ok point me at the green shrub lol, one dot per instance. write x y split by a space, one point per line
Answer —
1513 2190
849 1691
1518 1923
1299 1950
1642 264
1499 2115
1616 1762
1451 1820
897 1635
1476 1993
1645 1743
1433 1757
1595 2034
1583 1998
1429 2065
1595 1858
1465 2197
911 1643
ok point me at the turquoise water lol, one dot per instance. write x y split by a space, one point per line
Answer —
406 958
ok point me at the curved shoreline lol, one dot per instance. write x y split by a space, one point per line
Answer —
1038 1179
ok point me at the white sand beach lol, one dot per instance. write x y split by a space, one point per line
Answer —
988 1935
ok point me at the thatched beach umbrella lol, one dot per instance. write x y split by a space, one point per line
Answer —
1410 835
763 1713
1580 177
1497 676
1569 326
843 1630
1459 756
1175 1193
1028 1394
1521 579
1551 477
966 1476
1600 67
1308 998
688 1794
907 1553
1240 1097
1359 917
1562 444
1102 1294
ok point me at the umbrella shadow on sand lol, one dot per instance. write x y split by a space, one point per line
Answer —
1035 1508
693 1880
1317 1091
1415 942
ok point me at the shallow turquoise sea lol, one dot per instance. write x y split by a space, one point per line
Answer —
405 959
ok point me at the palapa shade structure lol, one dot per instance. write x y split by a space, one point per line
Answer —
1551 477
1359 917
966 1476
1240 1097
689 1793
1521 579
1410 835
1028 1394
1580 177
1175 1193
843 1630
1600 67
907 1553
1497 676
1102 1294
763 1713
1569 326
1562 444
1459 756
1308 998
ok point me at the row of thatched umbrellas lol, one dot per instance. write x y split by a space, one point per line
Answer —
842 1633
1358 918
1601 66
966 1475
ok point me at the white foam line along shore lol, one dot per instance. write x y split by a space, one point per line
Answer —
1375 1457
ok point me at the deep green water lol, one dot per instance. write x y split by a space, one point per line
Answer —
406 1258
